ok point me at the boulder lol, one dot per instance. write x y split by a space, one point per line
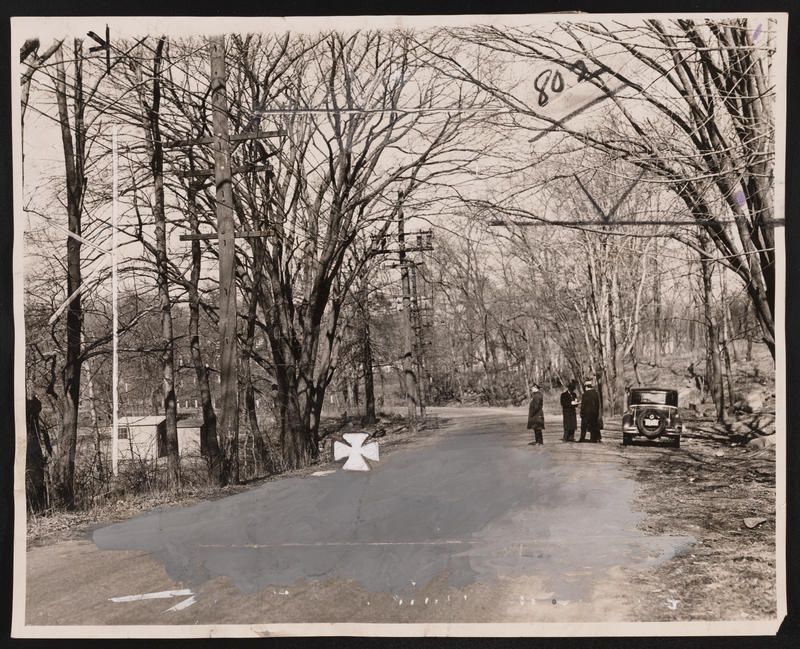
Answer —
752 523
755 399
741 427
765 424
762 442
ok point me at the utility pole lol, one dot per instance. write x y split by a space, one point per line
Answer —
410 379
412 325
366 355
416 323
229 412
226 234
114 306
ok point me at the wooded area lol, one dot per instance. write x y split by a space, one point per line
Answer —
349 222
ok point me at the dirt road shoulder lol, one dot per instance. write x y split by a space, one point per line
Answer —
724 497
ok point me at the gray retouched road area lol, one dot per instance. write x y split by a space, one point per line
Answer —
465 523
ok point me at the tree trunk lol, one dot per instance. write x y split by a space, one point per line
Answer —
726 343
298 400
726 357
713 365
170 405
63 474
408 355
657 335
635 361
366 360
261 448
260 453
209 444
229 357
297 438
35 483
729 330
525 376
457 371
617 350
99 460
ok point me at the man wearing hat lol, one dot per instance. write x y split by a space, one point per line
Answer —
569 400
536 414
590 413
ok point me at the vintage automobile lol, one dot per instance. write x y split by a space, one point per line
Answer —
652 414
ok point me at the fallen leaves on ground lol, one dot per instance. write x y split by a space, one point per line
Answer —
700 491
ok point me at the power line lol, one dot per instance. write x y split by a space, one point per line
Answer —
377 111
623 222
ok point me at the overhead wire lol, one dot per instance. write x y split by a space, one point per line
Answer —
369 111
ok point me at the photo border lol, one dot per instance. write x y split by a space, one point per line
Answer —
19 629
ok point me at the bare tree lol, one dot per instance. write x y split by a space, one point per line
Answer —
366 352
703 122
151 116
73 139
341 159
714 376
209 443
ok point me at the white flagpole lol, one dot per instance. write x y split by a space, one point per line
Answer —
114 314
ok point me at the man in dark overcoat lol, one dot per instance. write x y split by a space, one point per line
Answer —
536 414
590 413
569 400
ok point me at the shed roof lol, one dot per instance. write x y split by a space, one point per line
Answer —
189 421
185 420
138 420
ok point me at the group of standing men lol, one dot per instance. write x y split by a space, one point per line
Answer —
591 420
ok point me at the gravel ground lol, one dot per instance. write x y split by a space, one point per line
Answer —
707 489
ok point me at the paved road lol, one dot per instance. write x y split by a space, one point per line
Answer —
467 523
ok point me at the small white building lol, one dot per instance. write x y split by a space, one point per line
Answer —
145 438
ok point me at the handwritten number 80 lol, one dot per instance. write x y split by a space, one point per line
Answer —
545 78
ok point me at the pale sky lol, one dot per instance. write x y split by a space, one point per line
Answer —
42 146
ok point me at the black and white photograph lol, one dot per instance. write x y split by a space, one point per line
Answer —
463 325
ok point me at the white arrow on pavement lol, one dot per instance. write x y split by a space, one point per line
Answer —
182 605
164 594
356 452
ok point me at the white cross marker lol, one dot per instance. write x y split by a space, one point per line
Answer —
356 452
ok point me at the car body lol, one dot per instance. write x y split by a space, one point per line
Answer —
652 414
